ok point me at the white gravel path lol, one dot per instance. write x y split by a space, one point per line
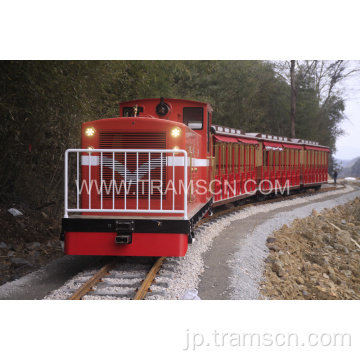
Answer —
248 263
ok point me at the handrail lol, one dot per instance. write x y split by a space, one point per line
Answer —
93 160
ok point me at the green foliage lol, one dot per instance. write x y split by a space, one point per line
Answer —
43 103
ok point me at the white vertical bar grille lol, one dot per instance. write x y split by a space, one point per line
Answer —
78 180
89 180
111 160
125 155
137 181
149 187
113 179
173 180
185 182
161 179
101 179
66 185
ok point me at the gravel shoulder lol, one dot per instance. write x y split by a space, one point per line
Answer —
233 268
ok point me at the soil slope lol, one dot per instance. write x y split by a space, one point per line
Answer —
317 257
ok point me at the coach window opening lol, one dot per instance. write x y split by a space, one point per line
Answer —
221 148
245 158
238 159
264 156
274 160
233 159
219 158
227 159
280 161
208 131
294 164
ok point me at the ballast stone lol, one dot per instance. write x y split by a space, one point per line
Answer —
33 245
19 262
191 294
15 212
270 239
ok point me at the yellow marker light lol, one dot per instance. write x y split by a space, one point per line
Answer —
90 131
175 132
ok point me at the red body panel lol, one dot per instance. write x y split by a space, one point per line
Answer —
93 243
189 141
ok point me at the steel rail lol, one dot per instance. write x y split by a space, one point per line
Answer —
144 288
87 287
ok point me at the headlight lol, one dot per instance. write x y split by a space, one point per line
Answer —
90 147
90 131
176 148
175 132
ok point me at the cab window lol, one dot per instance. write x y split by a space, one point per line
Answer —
129 111
193 117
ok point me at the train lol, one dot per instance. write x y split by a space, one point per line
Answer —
142 181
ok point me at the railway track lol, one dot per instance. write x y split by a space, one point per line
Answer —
113 280
138 282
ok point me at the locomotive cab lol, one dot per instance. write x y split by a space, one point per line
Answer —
197 116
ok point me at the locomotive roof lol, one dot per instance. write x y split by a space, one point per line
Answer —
167 99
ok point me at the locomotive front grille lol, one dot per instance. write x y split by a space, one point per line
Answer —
137 165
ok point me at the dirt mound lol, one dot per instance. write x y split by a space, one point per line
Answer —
317 257
27 241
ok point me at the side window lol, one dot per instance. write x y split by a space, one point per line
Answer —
193 117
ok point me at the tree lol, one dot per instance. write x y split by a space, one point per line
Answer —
321 81
293 98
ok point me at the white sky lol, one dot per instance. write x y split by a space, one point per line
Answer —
348 145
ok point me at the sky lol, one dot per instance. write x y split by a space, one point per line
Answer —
348 145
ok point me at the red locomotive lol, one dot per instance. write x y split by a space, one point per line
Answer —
142 181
